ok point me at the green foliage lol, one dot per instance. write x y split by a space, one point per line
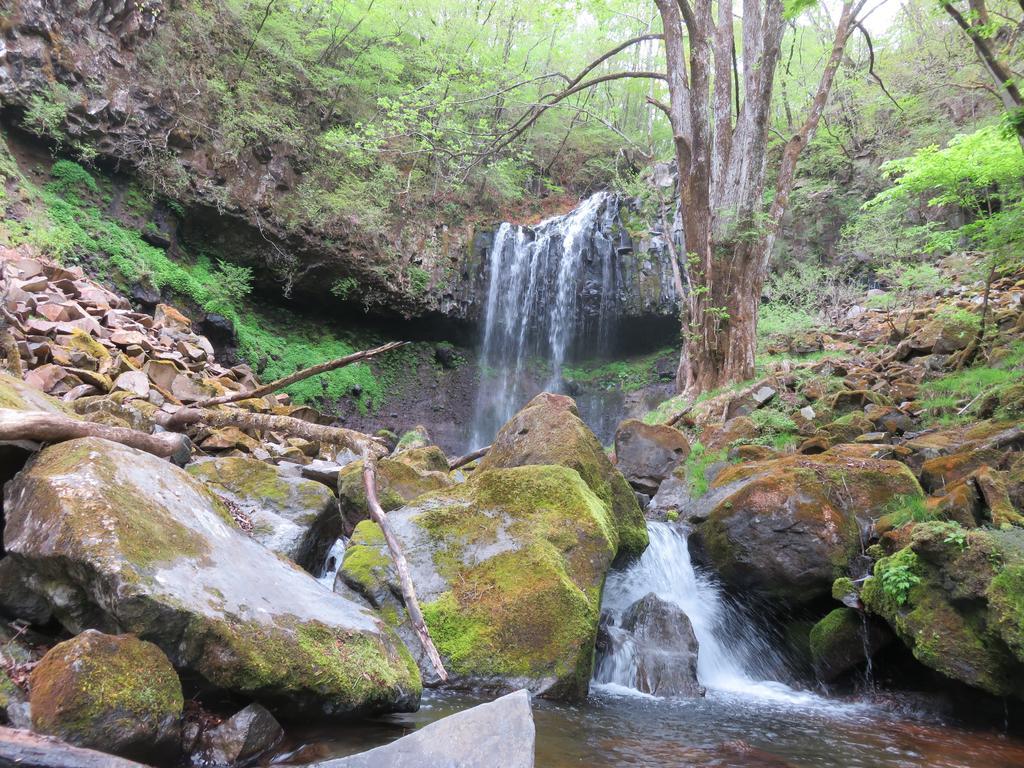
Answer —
897 576
944 397
902 510
343 287
696 466
776 428
46 110
627 375
419 279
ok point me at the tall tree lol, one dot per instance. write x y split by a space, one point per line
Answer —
720 75
719 106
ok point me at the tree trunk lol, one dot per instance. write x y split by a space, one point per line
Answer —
718 346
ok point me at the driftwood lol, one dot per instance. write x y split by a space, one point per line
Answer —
473 456
305 373
43 427
401 566
679 416
236 417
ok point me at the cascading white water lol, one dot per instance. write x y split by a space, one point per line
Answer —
533 309
733 656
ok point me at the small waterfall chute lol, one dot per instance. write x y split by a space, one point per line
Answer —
734 656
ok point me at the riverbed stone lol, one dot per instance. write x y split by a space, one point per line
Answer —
665 646
120 540
955 598
241 738
292 516
549 431
508 568
647 453
786 528
114 693
500 732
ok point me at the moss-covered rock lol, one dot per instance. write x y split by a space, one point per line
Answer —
956 600
787 528
120 540
508 568
292 516
400 479
646 454
549 431
114 693
842 640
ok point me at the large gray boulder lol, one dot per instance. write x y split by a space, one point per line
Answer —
120 540
665 648
499 733
24 749
647 453
508 567
293 516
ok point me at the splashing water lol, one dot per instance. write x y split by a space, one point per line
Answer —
734 657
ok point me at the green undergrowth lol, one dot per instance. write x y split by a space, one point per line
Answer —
69 224
957 396
628 375
696 466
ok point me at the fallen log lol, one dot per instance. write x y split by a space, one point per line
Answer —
43 427
401 566
236 417
305 373
472 456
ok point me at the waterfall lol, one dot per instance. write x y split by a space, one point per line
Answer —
733 656
540 303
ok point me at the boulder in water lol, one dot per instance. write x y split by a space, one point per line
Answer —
955 598
844 640
508 567
665 648
292 516
647 453
114 693
240 739
786 528
499 733
120 540
549 431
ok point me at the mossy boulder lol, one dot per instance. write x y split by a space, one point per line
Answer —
842 640
120 540
400 479
549 431
290 515
956 600
114 693
786 528
508 568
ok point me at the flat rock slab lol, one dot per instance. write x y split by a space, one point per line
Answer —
499 733
24 749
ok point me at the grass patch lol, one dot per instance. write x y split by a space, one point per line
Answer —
628 375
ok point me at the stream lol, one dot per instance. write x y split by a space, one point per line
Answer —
747 719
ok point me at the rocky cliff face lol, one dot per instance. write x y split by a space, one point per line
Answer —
90 77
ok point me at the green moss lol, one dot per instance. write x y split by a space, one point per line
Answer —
842 587
530 607
365 567
83 683
835 635
350 671
1006 604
